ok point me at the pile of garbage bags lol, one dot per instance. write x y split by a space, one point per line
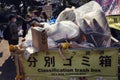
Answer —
83 27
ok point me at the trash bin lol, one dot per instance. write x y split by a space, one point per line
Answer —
80 64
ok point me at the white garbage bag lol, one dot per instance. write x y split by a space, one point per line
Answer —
92 21
63 30
51 43
67 15
87 8
28 40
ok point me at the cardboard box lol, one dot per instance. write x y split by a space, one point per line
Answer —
39 39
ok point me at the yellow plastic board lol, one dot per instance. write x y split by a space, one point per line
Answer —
90 64
114 22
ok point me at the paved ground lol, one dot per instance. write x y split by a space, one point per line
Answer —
7 67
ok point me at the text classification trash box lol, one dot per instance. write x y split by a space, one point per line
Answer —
84 64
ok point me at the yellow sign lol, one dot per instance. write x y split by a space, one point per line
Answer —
114 22
88 64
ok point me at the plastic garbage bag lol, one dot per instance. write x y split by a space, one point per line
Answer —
29 35
92 21
51 43
67 15
52 21
87 8
28 51
28 39
63 30
88 19
82 45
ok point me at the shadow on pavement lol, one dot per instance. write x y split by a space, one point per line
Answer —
8 70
